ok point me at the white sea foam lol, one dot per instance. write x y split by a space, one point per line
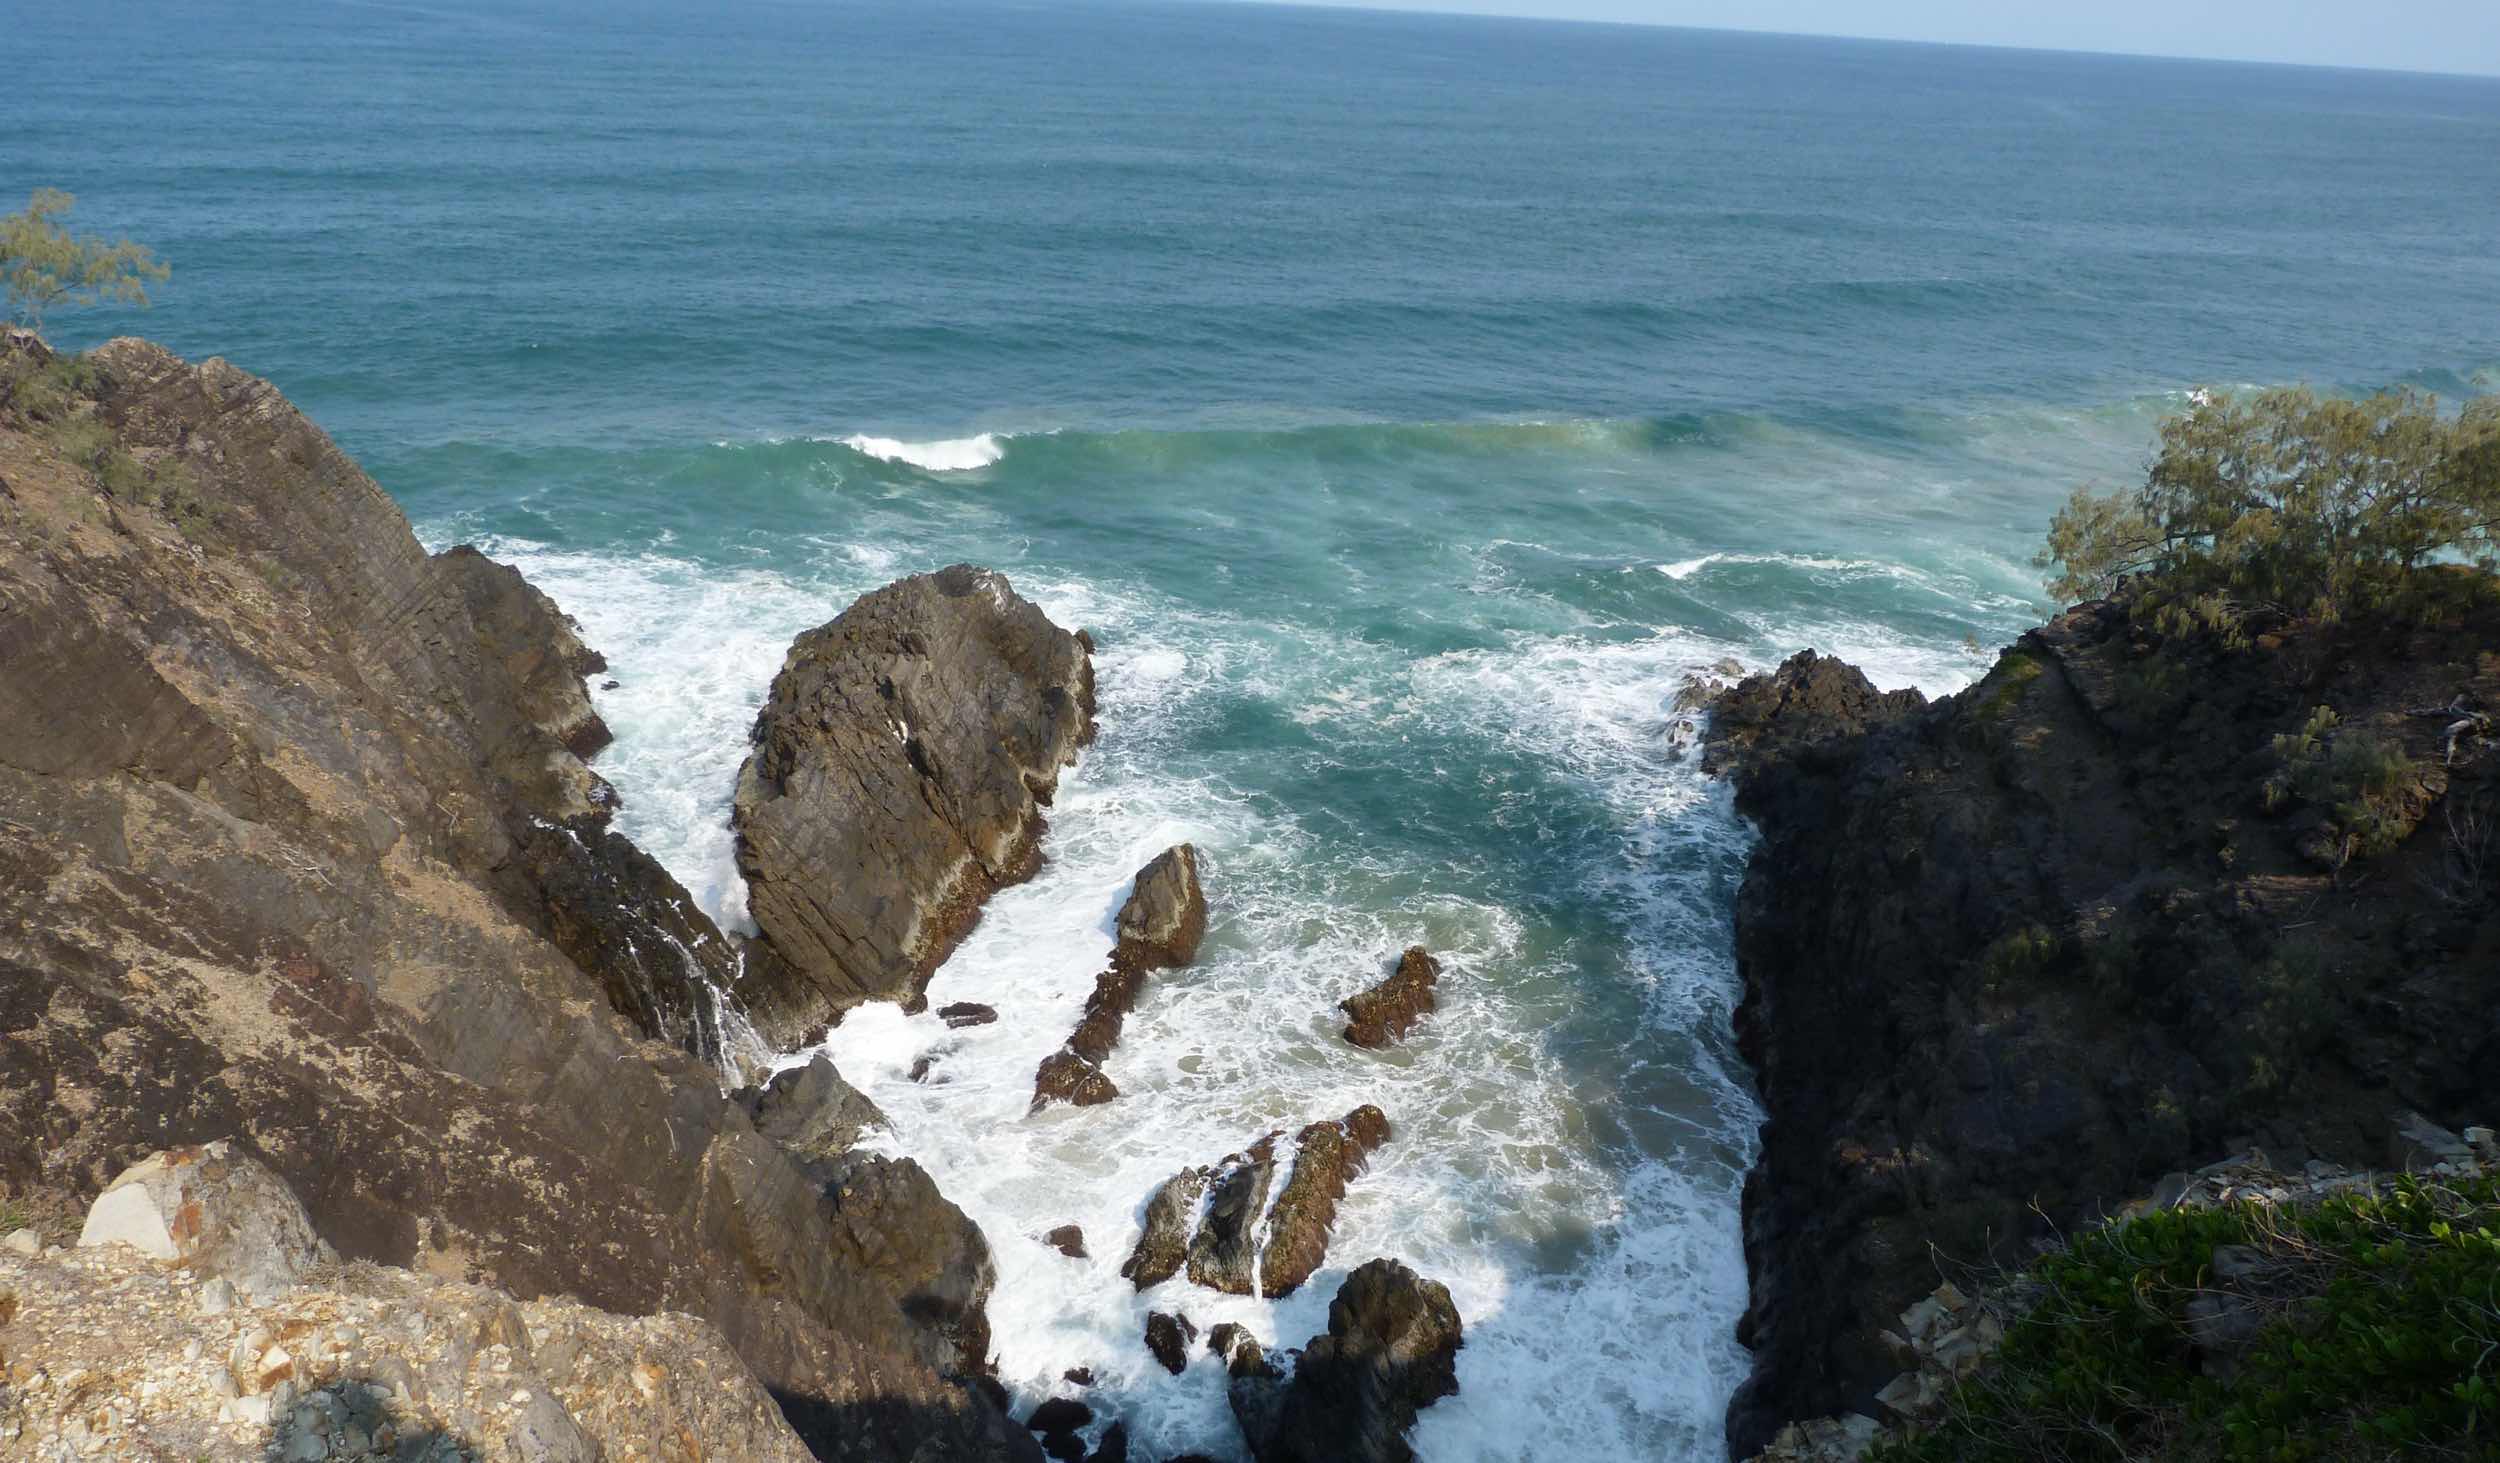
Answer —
955 454
1577 1193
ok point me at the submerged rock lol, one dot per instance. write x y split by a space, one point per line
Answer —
967 1013
1256 1236
1067 1239
902 761
1383 1014
1391 1351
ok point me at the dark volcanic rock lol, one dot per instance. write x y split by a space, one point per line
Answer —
1225 1250
1168 1337
1384 1013
1773 719
1059 1415
811 1112
2010 958
1391 1351
901 764
967 1013
1114 1446
1165 917
298 850
1067 1239
1066 1077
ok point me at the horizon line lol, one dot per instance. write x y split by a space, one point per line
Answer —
1356 6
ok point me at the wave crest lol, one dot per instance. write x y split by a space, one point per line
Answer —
955 454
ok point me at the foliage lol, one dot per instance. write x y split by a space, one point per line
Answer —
2378 1317
2290 504
43 264
42 392
2358 778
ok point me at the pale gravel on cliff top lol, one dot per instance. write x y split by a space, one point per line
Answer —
105 1353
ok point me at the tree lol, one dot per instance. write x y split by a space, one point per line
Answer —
43 264
2291 504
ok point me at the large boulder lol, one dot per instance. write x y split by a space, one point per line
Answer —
1380 1016
218 1211
1253 1235
902 761
1391 1351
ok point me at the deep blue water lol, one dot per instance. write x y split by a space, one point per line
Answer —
1408 403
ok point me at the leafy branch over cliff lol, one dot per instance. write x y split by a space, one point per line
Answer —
43 264
2292 505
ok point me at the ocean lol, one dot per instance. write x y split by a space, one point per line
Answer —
1407 404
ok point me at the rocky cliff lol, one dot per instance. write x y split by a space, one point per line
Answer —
2129 903
298 849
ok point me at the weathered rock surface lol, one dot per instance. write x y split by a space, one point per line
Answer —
217 1212
1161 925
1067 1239
109 1354
1255 1235
902 761
1391 1351
2011 957
1382 1015
1164 919
812 1113
294 852
1067 1077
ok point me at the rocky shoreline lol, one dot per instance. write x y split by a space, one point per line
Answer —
304 875
2021 958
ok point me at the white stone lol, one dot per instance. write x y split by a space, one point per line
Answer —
129 1216
217 1297
23 1242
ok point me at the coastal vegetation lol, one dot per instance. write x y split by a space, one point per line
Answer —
2361 1327
2288 505
43 264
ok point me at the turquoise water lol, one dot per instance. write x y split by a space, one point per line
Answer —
1407 404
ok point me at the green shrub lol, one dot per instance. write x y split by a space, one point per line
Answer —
2377 1342
2362 782
42 393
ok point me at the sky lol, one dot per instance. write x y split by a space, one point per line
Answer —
2404 35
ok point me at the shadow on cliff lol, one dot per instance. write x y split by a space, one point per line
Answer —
882 1427
353 1418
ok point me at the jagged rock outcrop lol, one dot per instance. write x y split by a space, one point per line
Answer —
2010 957
1160 925
1391 1351
812 1113
1256 1237
1168 1337
902 761
1382 1015
276 866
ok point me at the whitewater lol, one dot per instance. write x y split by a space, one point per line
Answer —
1408 405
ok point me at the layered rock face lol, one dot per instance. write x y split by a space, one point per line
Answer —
1390 1351
297 848
902 761
1254 1237
2010 958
